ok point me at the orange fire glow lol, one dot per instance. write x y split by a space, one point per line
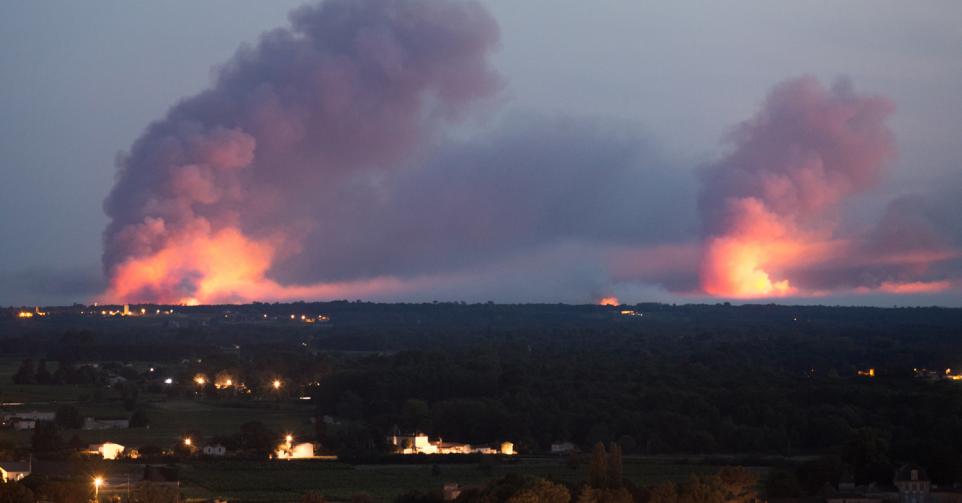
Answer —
221 267
609 301
914 287
740 269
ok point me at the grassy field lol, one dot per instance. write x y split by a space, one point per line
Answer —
169 419
287 481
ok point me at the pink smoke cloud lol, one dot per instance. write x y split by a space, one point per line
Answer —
231 180
772 201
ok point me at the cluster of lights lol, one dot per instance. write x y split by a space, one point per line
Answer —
225 381
30 314
308 319
127 312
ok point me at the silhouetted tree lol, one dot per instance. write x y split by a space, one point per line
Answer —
68 417
43 375
46 437
139 419
13 492
615 466
26 374
598 477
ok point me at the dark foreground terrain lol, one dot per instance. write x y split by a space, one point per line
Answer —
816 394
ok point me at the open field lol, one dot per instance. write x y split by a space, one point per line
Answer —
287 481
172 419
169 418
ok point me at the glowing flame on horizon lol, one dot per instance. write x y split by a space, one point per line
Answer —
609 301
225 267
736 268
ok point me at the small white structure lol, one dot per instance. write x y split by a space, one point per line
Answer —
33 414
214 450
26 420
13 472
93 423
303 450
451 491
24 424
106 450
562 447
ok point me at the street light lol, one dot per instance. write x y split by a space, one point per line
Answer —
188 441
98 481
289 439
276 384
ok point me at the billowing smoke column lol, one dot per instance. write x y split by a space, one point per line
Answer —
769 207
229 182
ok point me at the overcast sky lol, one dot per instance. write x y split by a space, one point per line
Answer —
80 81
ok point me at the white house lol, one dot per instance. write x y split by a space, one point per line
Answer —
13 472
214 450
26 420
33 414
24 424
562 447
419 443
303 450
106 450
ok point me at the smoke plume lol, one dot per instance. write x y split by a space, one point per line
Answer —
317 166
232 179
771 204
772 209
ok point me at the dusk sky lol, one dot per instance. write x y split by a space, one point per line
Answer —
535 151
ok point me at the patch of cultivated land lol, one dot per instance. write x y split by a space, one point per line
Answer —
287 481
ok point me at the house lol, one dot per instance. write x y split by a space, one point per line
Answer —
216 450
106 450
24 424
13 471
93 423
563 447
26 420
33 415
287 450
913 484
419 443
450 492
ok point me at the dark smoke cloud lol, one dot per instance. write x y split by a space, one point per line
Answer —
352 86
534 182
318 165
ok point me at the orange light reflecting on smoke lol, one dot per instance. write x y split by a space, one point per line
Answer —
742 269
226 267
